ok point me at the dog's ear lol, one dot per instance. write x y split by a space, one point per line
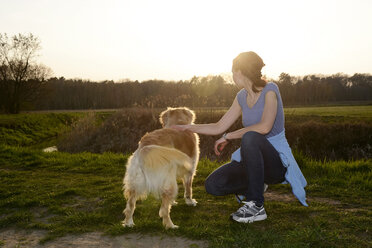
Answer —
164 116
190 114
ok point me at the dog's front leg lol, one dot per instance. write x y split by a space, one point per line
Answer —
187 183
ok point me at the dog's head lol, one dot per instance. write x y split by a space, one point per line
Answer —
177 116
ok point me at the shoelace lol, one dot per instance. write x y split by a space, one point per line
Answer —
250 203
246 206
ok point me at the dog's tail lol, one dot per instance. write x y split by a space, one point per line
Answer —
134 181
161 167
152 169
155 157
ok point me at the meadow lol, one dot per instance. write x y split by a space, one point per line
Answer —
80 192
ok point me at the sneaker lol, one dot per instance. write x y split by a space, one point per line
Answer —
249 213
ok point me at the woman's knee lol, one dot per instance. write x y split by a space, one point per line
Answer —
251 138
209 186
212 186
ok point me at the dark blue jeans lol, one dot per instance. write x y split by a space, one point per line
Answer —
260 164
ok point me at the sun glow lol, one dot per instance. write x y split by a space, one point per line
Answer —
174 40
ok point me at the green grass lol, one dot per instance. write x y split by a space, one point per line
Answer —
33 129
338 111
349 111
38 130
326 114
78 193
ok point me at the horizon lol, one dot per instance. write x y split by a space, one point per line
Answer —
225 77
163 40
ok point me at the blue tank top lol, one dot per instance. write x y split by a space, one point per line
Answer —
253 115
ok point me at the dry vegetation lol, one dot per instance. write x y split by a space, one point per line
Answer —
314 136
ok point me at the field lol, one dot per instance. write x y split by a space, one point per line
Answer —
61 193
363 112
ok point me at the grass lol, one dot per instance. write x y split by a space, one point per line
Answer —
33 129
356 111
38 129
76 193
349 111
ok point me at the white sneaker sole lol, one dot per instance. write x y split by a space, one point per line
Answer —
250 219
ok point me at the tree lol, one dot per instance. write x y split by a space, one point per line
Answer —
286 88
21 77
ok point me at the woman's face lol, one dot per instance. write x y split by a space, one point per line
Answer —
241 80
238 78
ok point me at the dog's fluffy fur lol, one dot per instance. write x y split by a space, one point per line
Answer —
162 156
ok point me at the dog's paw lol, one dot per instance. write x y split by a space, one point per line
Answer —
127 223
174 203
171 226
191 202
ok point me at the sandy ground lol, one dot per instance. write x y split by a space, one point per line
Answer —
21 238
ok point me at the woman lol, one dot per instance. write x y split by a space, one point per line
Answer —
264 156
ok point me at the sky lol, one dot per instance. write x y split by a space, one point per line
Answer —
179 39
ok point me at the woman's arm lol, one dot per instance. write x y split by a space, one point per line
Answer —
216 128
267 120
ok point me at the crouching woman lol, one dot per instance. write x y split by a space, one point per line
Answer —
264 156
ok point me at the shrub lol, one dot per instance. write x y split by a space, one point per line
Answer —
314 137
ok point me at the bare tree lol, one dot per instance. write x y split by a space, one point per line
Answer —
20 76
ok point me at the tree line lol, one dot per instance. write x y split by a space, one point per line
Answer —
210 91
27 85
318 89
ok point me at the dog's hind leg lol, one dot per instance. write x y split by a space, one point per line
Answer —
129 210
168 196
187 183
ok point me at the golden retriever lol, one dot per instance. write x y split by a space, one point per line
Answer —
162 156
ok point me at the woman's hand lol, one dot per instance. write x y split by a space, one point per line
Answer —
219 145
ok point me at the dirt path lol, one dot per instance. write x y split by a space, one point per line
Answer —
21 238
274 196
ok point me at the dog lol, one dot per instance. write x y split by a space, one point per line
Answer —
162 156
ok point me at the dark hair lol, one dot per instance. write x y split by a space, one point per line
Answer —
250 65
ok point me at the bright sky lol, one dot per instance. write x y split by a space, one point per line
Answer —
177 39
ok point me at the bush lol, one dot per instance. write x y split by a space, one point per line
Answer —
313 137
343 140
120 132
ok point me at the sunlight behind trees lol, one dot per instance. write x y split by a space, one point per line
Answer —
176 40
